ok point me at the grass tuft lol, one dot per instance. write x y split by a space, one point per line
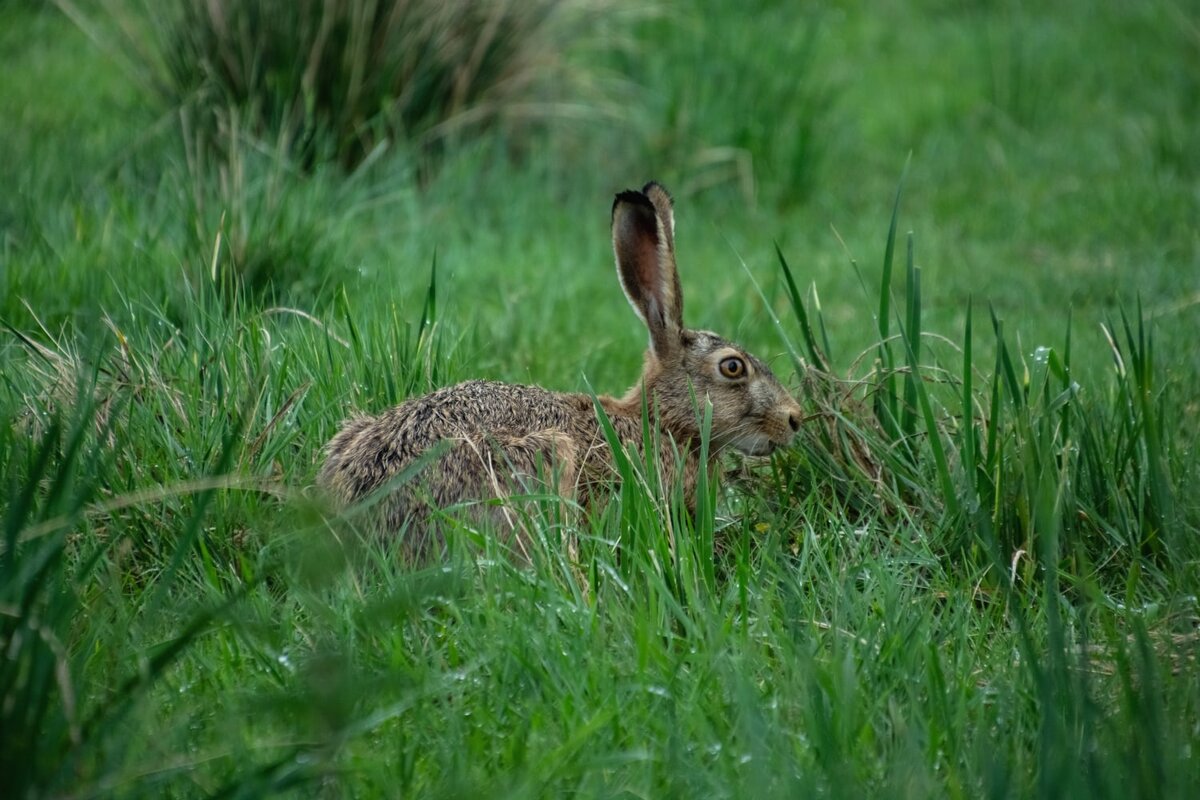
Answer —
337 81
1020 463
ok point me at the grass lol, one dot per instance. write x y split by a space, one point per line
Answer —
342 81
974 575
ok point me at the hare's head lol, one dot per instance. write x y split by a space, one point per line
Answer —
751 411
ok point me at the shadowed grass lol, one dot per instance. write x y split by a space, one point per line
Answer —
340 80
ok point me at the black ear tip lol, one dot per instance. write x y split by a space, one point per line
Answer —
633 198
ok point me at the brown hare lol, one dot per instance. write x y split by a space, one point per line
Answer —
495 438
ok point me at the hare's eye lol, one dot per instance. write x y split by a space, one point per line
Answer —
732 367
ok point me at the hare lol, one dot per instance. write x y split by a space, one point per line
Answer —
494 438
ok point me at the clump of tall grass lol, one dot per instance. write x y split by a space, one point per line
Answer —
1012 460
338 79
275 100
256 226
164 397
63 730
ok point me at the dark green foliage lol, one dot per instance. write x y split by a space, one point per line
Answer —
339 79
63 731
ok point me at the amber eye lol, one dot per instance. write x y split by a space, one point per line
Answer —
733 367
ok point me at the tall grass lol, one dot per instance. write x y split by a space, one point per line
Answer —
974 575
338 81
57 558
1012 461
860 614
274 102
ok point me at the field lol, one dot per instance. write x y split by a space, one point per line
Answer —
966 234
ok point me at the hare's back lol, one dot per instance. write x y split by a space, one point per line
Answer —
370 449
467 410
481 407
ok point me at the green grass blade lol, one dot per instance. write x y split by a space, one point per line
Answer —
912 337
967 440
814 353
885 399
934 438
1005 366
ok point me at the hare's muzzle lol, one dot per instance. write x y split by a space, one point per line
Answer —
776 430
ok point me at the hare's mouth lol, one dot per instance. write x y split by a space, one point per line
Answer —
754 445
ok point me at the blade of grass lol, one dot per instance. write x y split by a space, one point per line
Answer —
912 338
885 398
814 352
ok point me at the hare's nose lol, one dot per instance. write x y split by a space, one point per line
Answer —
794 420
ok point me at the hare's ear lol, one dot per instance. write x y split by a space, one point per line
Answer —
643 227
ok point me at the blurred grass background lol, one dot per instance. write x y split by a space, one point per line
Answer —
1055 164
218 226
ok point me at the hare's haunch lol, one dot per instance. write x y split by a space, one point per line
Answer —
495 437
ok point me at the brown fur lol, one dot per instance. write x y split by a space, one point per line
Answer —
503 438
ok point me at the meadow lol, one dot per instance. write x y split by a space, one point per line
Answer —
966 233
